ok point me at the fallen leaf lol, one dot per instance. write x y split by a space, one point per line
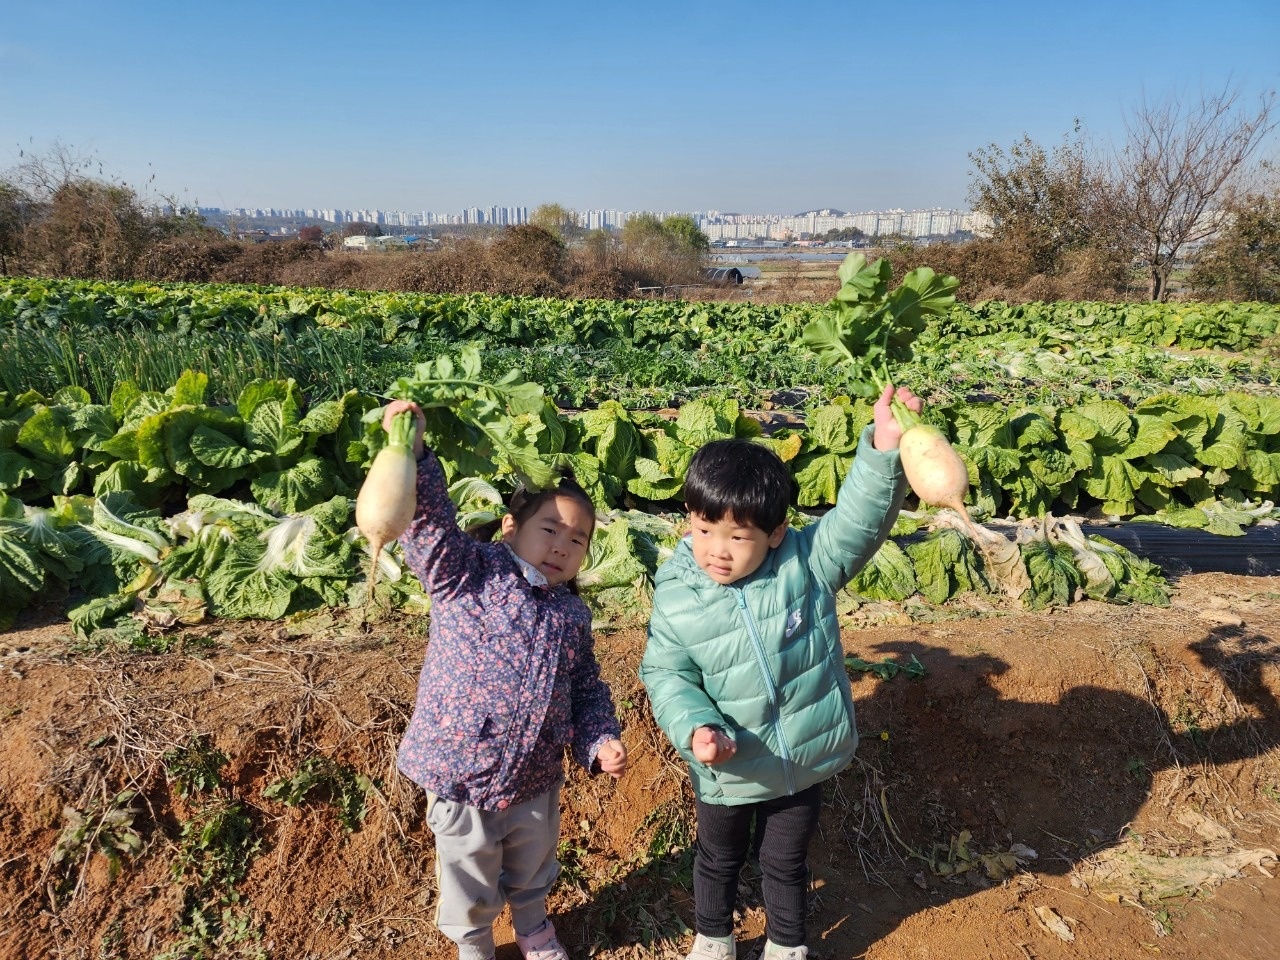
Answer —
1053 922
1124 872
1222 619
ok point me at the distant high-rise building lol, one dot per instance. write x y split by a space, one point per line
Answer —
716 224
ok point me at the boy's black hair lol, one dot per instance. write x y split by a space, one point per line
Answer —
740 479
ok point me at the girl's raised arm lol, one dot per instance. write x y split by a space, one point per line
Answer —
442 557
440 554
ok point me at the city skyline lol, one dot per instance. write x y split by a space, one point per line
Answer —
678 106
717 225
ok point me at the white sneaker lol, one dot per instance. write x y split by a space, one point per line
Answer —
706 948
774 952
542 944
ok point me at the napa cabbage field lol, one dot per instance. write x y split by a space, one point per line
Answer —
170 453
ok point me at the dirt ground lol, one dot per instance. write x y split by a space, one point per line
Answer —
1097 781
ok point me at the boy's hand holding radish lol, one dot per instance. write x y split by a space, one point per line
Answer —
888 431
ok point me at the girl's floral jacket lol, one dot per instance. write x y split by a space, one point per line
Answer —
510 676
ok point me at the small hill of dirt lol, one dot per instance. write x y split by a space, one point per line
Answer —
1096 781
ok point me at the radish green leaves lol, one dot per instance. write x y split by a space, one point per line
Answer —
867 326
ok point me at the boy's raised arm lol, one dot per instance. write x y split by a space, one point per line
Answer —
868 504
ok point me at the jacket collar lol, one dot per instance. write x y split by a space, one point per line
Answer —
531 573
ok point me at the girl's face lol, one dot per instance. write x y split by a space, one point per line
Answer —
554 539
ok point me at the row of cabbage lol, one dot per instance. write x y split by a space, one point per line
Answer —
1167 454
125 571
246 506
38 303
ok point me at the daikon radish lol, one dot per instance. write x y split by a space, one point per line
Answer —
933 468
388 497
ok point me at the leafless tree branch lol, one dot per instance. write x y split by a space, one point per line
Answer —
1180 157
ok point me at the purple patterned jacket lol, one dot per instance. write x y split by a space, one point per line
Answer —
510 676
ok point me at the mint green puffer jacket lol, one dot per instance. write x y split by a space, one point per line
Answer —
761 658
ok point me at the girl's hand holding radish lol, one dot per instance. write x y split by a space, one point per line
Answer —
888 431
400 406
387 499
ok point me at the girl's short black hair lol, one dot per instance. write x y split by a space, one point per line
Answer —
740 479
524 503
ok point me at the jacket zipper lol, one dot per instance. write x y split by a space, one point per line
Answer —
757 646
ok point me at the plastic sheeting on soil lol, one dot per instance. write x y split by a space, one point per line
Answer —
1179 551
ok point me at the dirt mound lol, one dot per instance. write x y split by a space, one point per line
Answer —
1098 781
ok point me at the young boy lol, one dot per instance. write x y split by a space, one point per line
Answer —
745 670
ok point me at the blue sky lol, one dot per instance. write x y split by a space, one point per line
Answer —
752 107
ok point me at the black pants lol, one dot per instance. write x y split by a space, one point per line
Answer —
784 828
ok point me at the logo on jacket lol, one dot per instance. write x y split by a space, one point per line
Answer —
793 623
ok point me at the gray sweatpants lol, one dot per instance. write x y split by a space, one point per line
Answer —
485 858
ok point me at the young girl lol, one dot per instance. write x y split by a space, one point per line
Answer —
509 680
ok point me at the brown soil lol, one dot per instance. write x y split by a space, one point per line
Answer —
1095 735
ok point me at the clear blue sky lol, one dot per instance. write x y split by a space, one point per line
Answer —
752 107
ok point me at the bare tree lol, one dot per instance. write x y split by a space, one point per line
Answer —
665 252
58 218
361 229
90 229
1177 159
41 175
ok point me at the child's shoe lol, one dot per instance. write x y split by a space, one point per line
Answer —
712 948
774 952
542 944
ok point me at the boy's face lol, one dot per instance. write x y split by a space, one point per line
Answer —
727 550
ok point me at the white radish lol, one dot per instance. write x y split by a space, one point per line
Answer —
388 498
933 468
940 479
